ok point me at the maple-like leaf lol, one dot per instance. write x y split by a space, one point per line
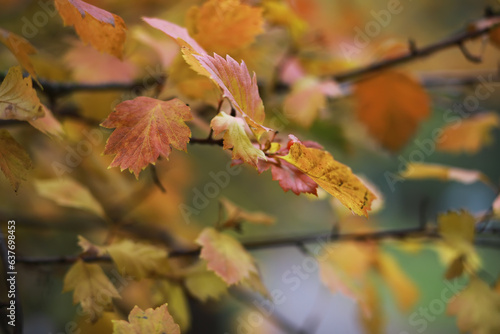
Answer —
402 287
204 284
92 288
225 256
150 321
14 160
336 178
48 124
470 135
103 30
138 260
21 49
391 105
235 215
67 192
224 26
477 308
418 171
236 138
18 99
146 128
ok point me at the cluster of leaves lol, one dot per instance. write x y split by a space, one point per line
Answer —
390 104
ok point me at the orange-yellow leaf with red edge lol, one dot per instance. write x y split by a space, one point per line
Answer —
103 30
223 26
391 105
477 308
336 178
21 49
146 128
225 256
150 321
470 135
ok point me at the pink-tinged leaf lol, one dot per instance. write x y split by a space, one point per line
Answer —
289 177
236 138
146 128
177 33
225 256
48 124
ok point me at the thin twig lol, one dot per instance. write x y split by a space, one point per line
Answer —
156 179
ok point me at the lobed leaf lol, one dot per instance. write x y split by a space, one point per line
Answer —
150 321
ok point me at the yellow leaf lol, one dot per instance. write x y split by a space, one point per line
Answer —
336 178
236 138
225 256
172 293
204 284
235 215
157 321
18 99
477 308
67 192
104 31
457 226
418 171
14 160
21 49
92 288
402 287
280 13
138 260
223 26
391 105
371 316
470 135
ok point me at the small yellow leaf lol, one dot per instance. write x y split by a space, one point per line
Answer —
336 178
371 315
172 293
67 192
18 99
457 226
21 49
151 321
204 284
418 171
92 288
14 160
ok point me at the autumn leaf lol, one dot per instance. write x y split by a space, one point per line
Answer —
289 177
92 288
477 308
150 321
204 284
371 315
18 99
419 171
391 105
48 124
14 160
173 294
104 31
138 260
225 256
236 138
145 129
402 287
224 26
281 13
69 193
470 135
21 49
336 178
235 215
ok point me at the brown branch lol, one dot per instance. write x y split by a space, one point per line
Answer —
415 53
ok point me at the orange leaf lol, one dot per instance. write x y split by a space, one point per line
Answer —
223 26
150 321
21 49
225 256
146 128
469 135
14 160
104 31
336 178
391 105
